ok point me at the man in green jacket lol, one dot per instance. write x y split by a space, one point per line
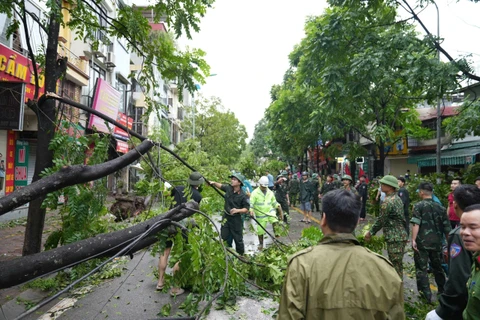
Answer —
470 233
338 278
294 189
453 300
392 220
306 197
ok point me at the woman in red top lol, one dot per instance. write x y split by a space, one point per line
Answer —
452 216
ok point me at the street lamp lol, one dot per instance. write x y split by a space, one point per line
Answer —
439 118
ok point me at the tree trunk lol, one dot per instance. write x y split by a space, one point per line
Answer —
22 269
381 158
46 130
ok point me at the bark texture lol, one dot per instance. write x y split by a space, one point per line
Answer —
70 176
20 270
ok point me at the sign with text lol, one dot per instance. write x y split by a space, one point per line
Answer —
21 164
12 105
105 100
127 122
122 146
10 162
15 67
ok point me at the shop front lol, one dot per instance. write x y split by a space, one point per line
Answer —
17 154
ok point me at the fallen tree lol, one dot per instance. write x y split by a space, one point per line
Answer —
25 268
70 176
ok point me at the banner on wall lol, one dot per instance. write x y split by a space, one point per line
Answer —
10 162
105 100
21 164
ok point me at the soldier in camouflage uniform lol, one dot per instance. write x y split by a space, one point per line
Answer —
347 184
430 227
281 195
392 220
294 189
336 181
316 189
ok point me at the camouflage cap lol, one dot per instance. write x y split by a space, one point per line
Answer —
347 177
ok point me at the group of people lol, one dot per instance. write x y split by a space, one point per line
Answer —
339 279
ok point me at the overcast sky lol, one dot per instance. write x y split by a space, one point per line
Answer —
247 44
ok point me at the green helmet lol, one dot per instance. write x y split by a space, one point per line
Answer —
390 181
315 175
239 177
195 179
284 173
347 177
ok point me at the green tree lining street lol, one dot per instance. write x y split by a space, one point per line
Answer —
332 80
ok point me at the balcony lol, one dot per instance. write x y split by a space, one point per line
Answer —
77 67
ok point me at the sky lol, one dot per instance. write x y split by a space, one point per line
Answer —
248 42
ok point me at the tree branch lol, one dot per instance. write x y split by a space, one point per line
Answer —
69 176
20 270
30 49
439 47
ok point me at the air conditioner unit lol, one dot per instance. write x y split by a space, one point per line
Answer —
110 62
101 51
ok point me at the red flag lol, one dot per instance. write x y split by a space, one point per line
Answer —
347 169
361 173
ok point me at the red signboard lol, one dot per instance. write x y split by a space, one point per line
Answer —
17 68
10 162
127 122
122 146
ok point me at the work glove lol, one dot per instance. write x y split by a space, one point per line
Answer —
432 315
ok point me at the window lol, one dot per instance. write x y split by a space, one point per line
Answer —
95 73
4 23
138 125
122 88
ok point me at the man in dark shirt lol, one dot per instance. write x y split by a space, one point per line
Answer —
403 194
236 203
327 186
281 195
363 192
430 226
180 195
453 300
306 197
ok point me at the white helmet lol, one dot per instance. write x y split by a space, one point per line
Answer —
263 182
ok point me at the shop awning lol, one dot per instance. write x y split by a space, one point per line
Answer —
450 157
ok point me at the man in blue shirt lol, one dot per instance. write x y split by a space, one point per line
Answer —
270 180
